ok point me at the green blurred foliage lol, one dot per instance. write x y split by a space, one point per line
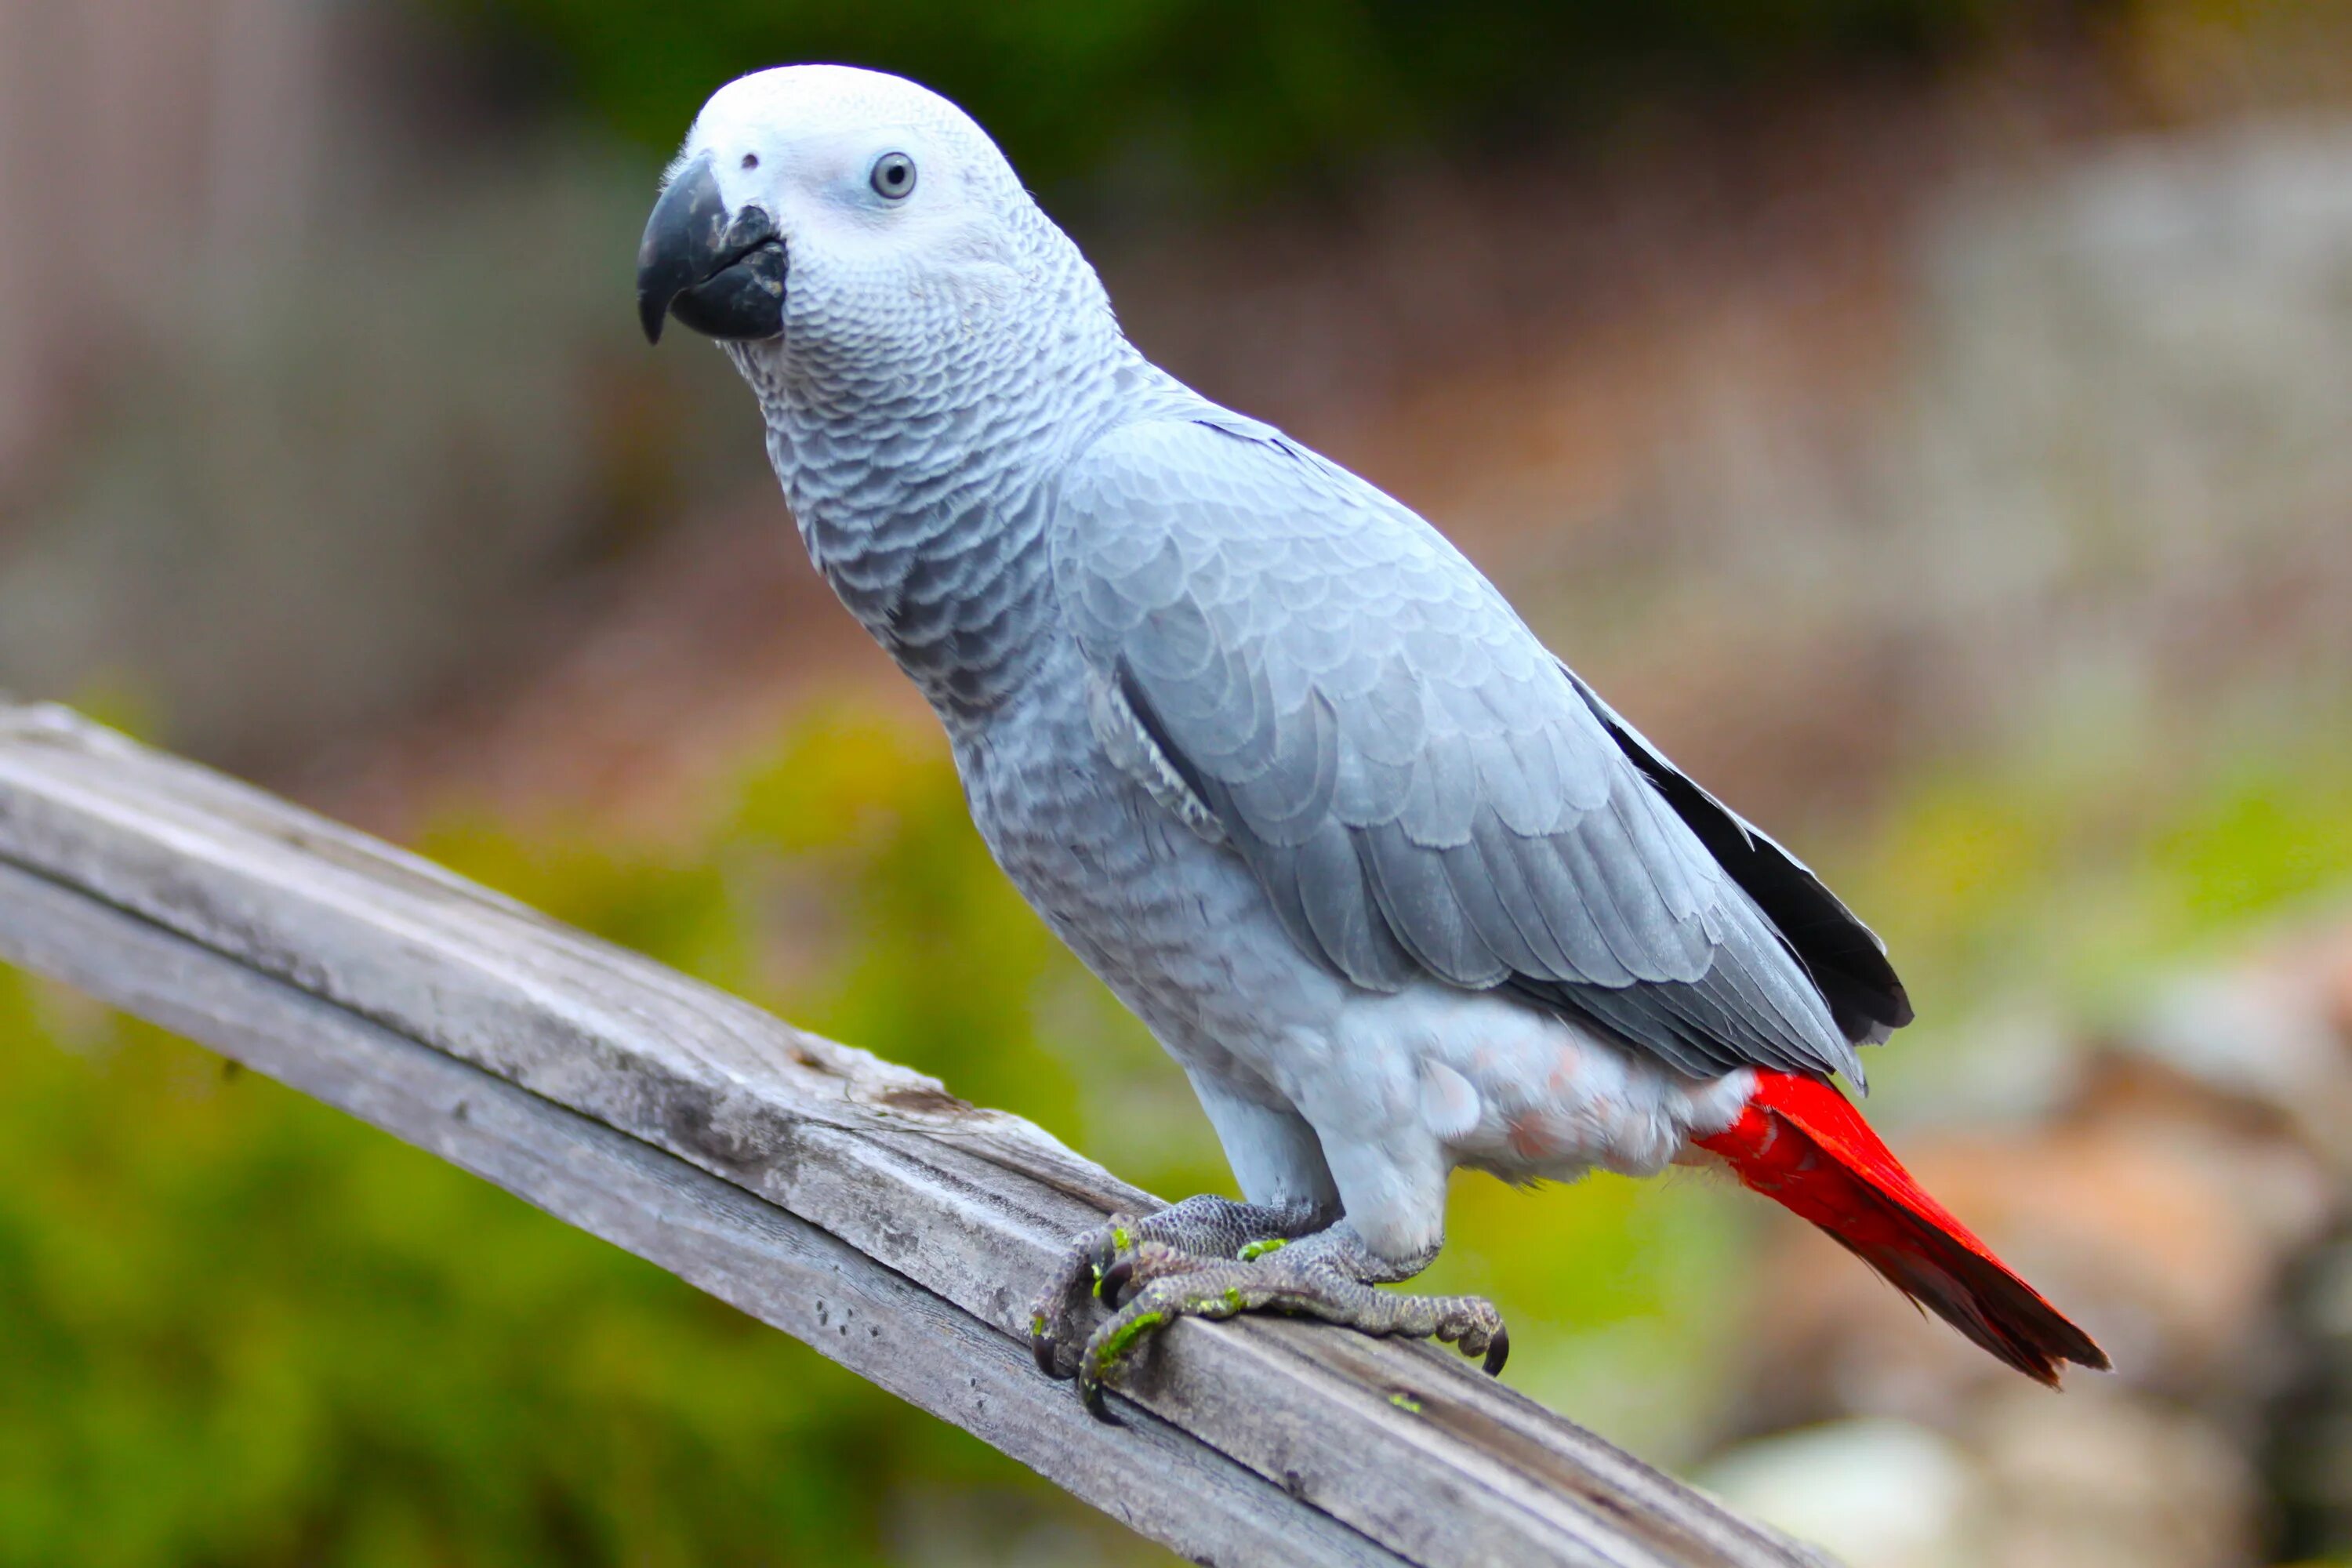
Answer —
1227 91
2071 865
243 1330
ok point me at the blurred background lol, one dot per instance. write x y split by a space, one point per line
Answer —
1931 420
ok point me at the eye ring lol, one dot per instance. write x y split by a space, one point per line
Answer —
893 178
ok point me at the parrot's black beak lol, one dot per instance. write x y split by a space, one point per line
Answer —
721 275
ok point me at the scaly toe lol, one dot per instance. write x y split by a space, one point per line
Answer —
1472 1325
1182 1291
1125 1258
1065 1303
1149 1262
1106 1350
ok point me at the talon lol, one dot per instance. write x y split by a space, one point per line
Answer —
1090 1395
1498 1351
1042 1345
1099 1247
1113 1283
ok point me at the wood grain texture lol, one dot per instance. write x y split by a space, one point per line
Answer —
779 1170
715 1235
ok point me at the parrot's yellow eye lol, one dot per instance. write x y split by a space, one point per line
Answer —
893 176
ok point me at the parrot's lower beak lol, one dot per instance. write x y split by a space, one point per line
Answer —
721 275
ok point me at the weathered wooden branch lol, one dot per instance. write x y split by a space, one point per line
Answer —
853 1203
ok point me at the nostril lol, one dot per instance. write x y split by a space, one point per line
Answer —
750 160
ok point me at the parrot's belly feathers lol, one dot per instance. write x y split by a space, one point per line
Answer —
1182 933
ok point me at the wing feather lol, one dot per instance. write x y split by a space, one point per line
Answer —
1421 788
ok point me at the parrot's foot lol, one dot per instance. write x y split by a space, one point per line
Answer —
1329 1275
1205 1229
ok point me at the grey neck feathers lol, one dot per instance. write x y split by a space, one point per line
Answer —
920 488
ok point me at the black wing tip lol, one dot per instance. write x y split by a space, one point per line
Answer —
1845 957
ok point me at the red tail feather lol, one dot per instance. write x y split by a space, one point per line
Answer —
1801 1143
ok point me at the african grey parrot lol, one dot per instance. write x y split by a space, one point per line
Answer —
1394 885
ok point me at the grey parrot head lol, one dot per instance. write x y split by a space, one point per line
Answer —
840 219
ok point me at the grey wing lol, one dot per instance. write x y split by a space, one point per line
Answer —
1845 957
1421 788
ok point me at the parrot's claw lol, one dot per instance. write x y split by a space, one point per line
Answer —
1154 1285
1113 1283
1213 1257
1101 1264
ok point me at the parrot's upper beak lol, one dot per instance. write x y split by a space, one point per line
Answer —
721 276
